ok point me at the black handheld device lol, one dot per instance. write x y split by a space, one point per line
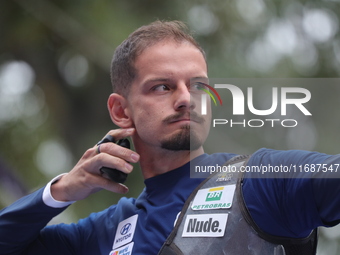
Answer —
114 174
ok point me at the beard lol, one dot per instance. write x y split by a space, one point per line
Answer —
183 140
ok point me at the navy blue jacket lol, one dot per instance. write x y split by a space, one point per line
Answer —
290 207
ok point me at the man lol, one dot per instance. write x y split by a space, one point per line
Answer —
156 74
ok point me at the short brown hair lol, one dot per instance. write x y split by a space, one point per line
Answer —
122 67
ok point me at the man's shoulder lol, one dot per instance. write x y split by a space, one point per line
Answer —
265 155
219 158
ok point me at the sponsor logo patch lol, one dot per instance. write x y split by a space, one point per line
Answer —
125 232
205 225
214 198
125 250
214 194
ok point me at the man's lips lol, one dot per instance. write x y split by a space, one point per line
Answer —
182 123
179 120
180 117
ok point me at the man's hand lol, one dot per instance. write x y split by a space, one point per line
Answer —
85 178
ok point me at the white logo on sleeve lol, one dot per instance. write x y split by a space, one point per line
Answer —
205 225
125 231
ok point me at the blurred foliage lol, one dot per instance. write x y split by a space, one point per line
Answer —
54 76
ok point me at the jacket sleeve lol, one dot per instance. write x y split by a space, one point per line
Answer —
21 223
294 206
326 190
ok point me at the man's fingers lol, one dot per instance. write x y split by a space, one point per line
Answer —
117 151
118 134
107 160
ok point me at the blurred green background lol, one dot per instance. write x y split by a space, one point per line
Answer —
54 76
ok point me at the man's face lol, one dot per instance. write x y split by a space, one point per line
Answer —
163 101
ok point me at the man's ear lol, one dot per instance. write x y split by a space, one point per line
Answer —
117 106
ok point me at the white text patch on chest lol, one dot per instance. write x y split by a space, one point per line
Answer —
205 225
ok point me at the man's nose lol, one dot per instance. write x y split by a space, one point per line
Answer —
183 99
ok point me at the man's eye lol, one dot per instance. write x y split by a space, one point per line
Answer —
160 88
199 86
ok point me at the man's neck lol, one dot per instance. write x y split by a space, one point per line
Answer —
163 161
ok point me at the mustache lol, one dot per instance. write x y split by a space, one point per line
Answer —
190 115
